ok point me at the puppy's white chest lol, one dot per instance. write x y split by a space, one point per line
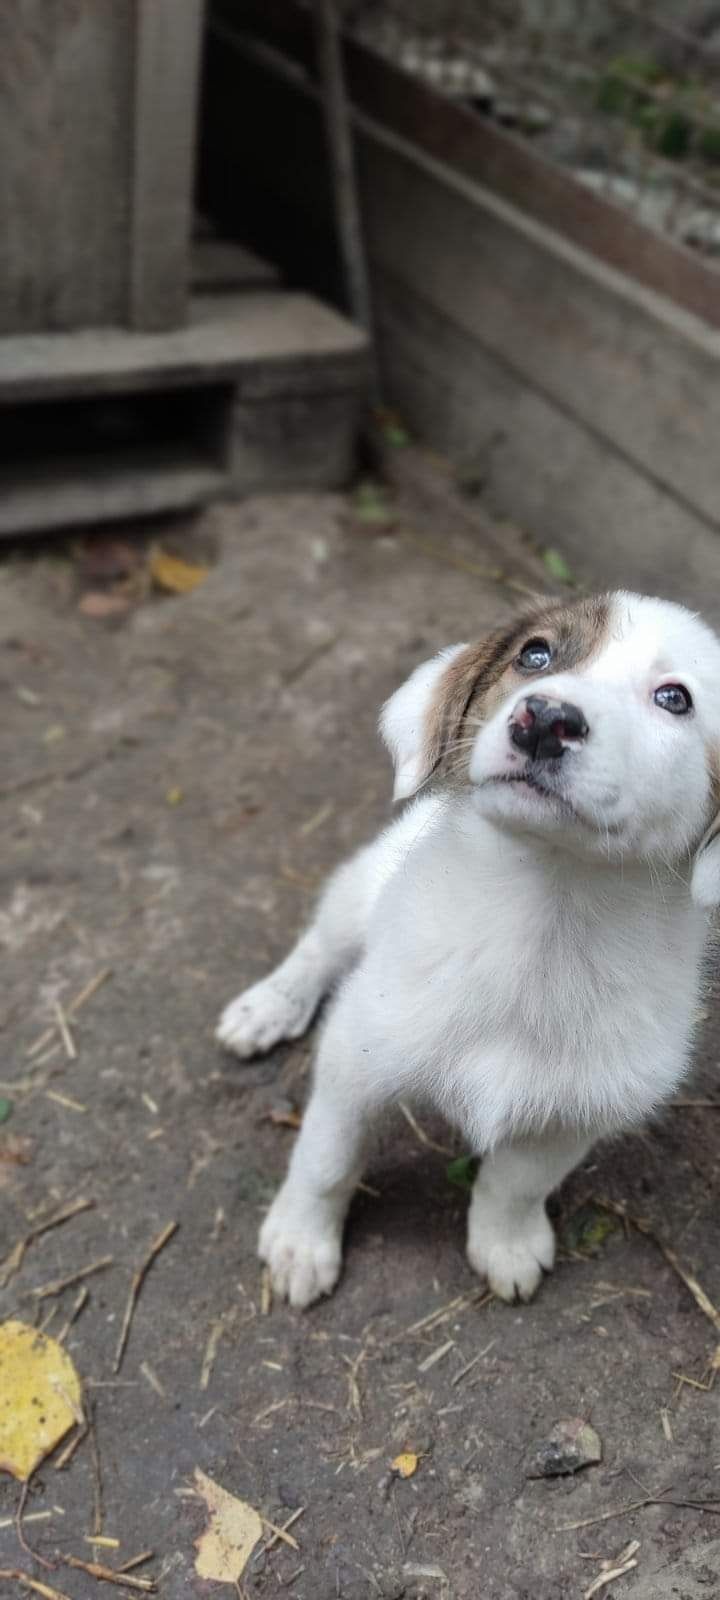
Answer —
520 993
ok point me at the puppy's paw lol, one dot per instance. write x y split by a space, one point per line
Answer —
511 1255
261 1017
304 1255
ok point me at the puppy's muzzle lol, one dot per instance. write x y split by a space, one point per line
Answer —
542 727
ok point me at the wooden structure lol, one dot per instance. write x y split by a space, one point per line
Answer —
123 390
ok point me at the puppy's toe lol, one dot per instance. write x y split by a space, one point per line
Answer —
304 1260
513 1258
260 1018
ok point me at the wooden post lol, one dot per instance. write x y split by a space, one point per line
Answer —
168 38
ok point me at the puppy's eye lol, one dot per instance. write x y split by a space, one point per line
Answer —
673 697
535 656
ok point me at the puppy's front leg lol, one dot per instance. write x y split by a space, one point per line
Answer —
301 1237
510 1240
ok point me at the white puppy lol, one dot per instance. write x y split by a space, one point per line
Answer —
522 950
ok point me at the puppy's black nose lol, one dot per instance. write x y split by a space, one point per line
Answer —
542 727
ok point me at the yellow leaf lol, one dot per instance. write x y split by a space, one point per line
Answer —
174 797
178 577
233 1530
40 1397
405 1465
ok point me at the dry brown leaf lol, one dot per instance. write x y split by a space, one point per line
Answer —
40 1397
406 1464
233 1530
95 603
174 575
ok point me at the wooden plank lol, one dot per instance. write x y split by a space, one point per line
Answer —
64 98
490 155
81 493
167 61
494 157
265 339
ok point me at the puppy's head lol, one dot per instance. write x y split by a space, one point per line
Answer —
595 722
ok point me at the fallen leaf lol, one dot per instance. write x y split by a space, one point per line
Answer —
98 605
588 1228
174 575
557 566
462 1171
370 504
406 1464
40 1397
571 1444
174 797
15 1150
104 560
233 1530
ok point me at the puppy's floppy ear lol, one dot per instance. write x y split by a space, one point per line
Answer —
405 719
705 876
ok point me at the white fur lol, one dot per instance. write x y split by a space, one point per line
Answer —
529 966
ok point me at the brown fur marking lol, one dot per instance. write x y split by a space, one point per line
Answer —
480 677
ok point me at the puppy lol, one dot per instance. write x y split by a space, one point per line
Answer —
522 950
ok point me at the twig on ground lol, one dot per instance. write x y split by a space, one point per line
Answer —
282 1533
33 1584
479 1299
614 1569
137 1561
14 1261
135 1287
75 1005
60 1284
712 1507
107 1575
688 1278
430 1144
64 1032
436 1355
458 1377
79 1305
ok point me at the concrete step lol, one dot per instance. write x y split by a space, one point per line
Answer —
261 389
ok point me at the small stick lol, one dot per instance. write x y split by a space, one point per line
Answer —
265 1292
97 1477
710 1506
465 1370
64 1100
80 1304
14 1261
64 1031
135 1287
152 1378
67 1454
604 1578
436 1355
698 1293
75 1005
34 1584
282 1533
107 1575
60 1284
137 1561
420 1133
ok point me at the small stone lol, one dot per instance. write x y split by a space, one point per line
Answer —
571 1444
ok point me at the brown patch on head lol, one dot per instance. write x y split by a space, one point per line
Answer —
478 679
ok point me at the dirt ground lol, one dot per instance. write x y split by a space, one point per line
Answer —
174 785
